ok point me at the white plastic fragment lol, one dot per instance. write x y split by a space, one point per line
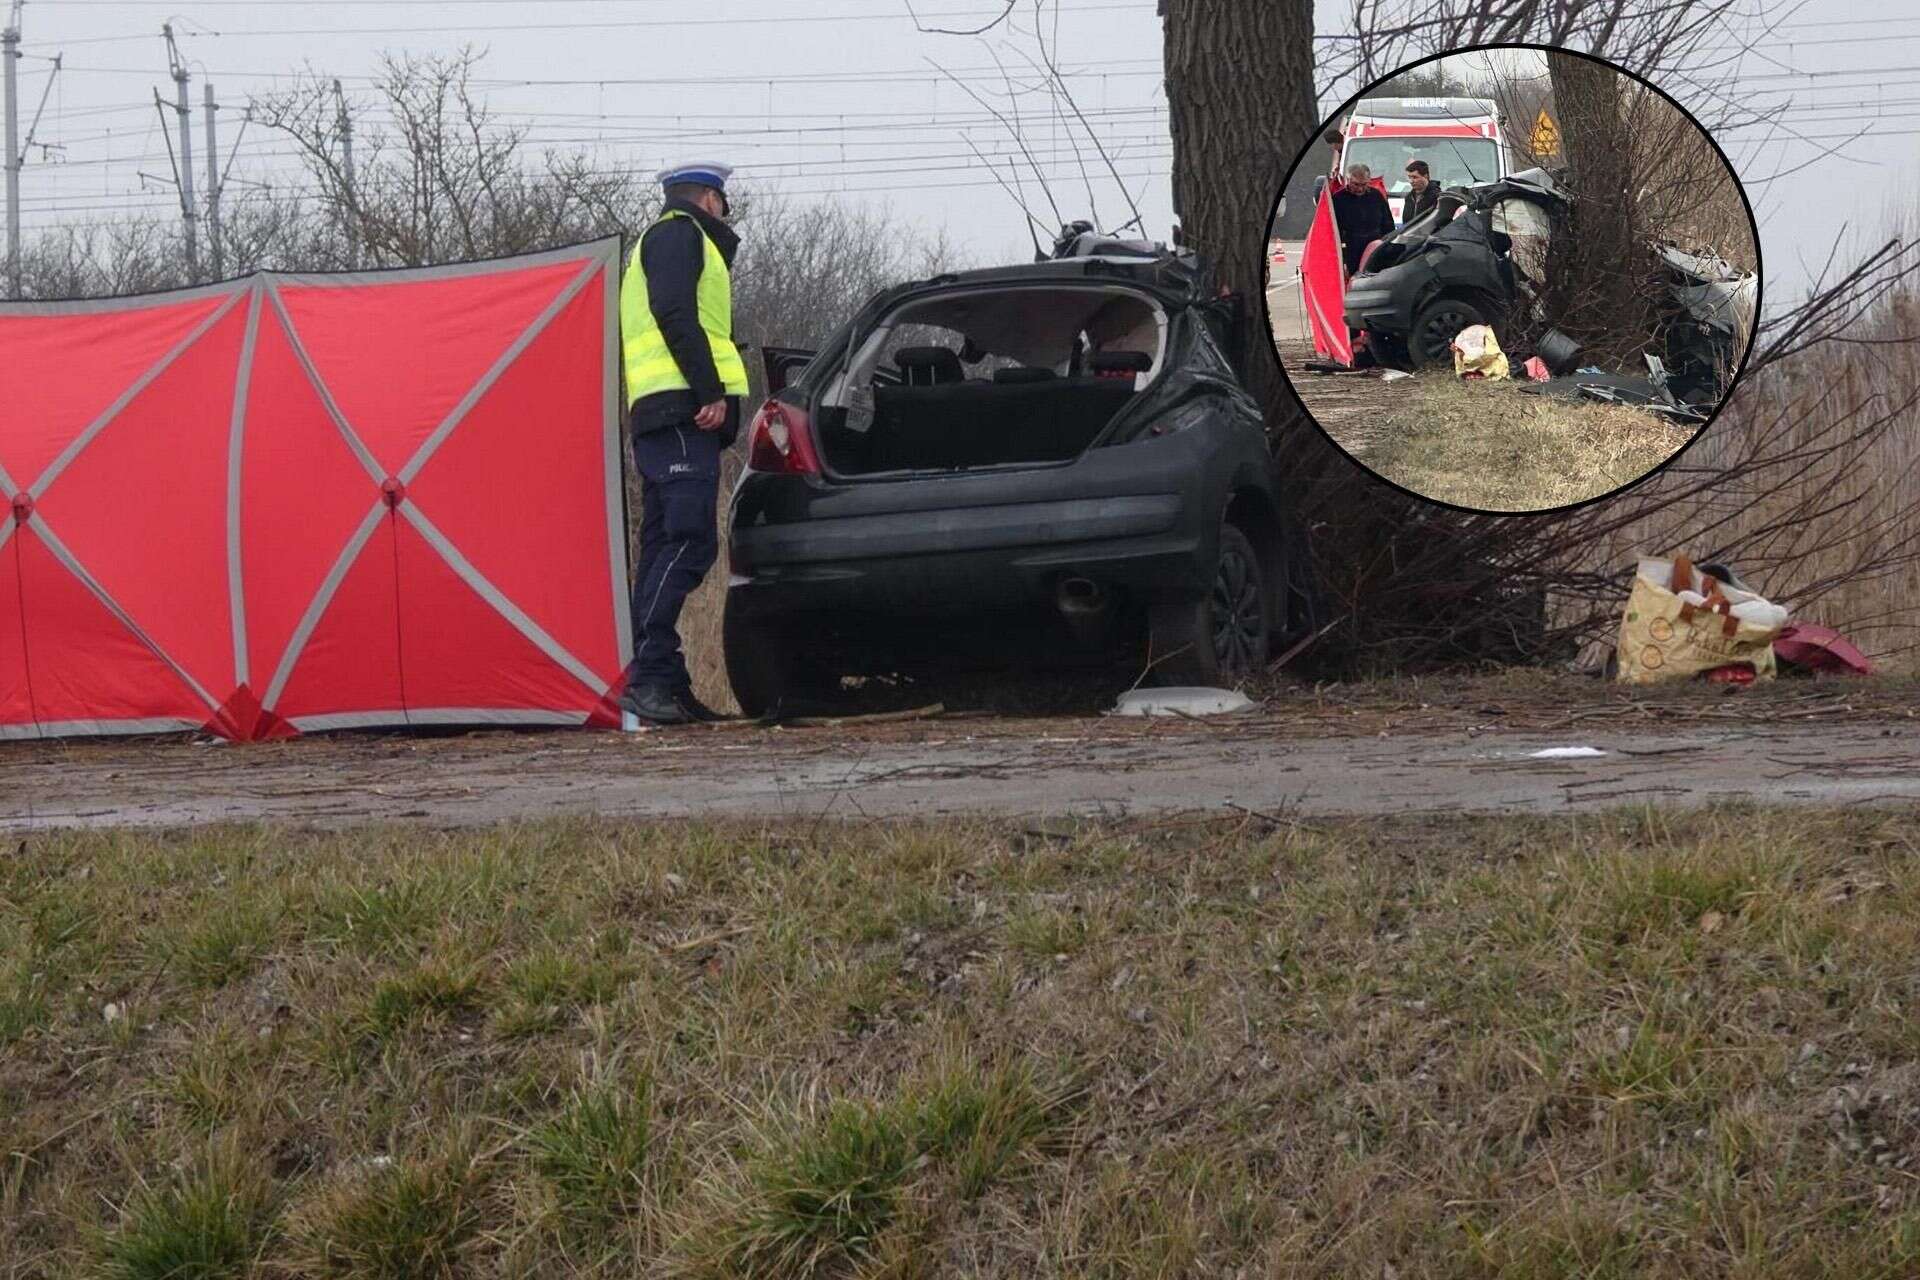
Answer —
1762 613
1567 753
1181 702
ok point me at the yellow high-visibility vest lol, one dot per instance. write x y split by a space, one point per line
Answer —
650 365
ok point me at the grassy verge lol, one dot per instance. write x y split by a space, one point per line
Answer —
1640 1044
1493 448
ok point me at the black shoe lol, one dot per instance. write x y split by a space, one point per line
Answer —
655 705
698 711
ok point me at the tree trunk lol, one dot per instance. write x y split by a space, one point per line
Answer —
1240 99
1599 290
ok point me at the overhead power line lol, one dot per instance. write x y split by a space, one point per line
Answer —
788 19
994 74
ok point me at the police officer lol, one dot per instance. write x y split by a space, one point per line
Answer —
685 380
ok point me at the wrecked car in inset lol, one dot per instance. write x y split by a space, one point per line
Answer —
1480 252
1027 463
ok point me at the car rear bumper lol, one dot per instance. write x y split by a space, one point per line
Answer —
1140 519
982 528
1382 310
961 560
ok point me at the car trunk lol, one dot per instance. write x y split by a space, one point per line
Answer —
977 424
990 379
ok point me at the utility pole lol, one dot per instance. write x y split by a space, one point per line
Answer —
213 188
185 175
346 154
10 56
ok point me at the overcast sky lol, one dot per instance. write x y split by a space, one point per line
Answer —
841 99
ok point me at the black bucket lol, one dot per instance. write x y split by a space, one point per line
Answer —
1561 353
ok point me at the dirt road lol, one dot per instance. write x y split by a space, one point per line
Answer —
1352 408
1471 751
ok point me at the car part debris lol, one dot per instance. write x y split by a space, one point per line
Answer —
1617 388
1558 351
1181 702
1648 397
1567 753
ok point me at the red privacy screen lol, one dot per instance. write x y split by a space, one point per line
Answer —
298 503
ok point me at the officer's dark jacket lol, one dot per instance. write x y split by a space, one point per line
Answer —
673 256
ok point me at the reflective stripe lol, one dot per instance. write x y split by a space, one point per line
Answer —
649 362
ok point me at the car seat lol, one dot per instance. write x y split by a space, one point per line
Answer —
928 366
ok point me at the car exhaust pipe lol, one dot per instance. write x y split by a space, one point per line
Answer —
1079 597
1087 610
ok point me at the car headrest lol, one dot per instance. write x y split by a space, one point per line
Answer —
1023 375
928 366
1120 364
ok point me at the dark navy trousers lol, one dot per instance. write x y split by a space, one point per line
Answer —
679 539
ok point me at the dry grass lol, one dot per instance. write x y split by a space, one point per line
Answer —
1640 1044
1490 447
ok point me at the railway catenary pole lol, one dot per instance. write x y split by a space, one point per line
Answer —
10 59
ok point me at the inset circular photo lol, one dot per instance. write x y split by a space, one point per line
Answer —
1512 279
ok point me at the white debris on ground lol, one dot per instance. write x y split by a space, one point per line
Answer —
1181 702
1567 753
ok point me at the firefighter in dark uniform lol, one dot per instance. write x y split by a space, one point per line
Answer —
685 382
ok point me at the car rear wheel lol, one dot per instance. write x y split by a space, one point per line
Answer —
1435 328
1219 639
769 676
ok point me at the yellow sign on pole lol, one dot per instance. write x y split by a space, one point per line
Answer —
1546 136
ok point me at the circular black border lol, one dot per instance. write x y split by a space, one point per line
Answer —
1318 139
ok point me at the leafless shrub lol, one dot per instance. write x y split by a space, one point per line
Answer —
441 178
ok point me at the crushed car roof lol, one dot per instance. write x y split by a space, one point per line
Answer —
1528 184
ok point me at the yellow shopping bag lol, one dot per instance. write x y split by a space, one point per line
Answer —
1476 353
1666 635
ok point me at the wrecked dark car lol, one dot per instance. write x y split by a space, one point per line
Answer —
1479 252
1712 313
1028 463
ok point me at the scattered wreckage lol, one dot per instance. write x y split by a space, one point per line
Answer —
1479 258
1064 443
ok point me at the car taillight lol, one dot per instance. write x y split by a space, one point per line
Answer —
782 441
